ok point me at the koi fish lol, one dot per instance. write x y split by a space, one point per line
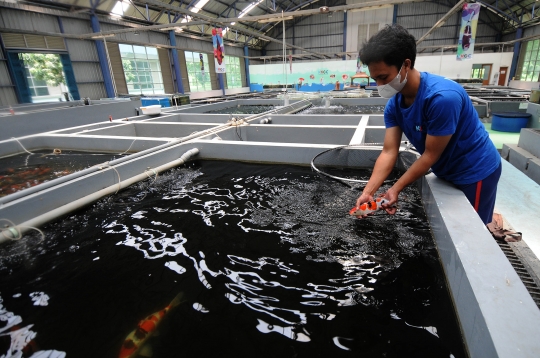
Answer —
369 207
136 339
312 77
345 77
332 76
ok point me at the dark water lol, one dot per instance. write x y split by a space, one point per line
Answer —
23 171
267 258
243 109
344 109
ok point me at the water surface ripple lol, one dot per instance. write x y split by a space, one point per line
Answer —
267 258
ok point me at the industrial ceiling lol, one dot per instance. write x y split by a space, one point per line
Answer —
256 23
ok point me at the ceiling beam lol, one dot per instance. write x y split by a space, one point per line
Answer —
439 23
227 20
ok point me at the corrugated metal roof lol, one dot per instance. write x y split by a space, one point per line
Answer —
497 19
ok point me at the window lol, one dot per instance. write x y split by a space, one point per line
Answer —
141 69
37 87
234 74
44 75
531 63
198 75
477 71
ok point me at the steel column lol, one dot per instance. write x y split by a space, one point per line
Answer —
246 61
344 57
515 57
103 62
176 62
221 83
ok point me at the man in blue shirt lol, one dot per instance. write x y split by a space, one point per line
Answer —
437 116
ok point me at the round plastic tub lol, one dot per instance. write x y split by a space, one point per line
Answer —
509 121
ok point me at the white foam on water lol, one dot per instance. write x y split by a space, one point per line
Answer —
173 265
20 337
40 298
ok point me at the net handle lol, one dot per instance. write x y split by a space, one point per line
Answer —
407 148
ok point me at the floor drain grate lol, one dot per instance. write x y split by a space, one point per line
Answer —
526 265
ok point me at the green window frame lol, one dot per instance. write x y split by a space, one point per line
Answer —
142 70
199 77
234 72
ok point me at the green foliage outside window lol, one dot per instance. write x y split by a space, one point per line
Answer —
234 76
45 67
141 69
128 70
198 74
531 63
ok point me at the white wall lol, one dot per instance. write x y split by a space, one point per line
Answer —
447 65
217 93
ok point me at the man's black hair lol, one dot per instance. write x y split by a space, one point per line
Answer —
393 45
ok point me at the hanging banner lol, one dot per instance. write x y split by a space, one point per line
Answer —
290 62
219 50
201 61
467 32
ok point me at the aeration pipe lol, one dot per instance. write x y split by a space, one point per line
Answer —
13 232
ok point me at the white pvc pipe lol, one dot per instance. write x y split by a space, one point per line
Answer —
79 203
8 198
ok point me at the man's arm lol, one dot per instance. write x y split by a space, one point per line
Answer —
435 146
384 164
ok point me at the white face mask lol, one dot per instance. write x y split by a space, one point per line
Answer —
394 86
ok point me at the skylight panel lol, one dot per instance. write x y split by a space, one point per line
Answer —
119 9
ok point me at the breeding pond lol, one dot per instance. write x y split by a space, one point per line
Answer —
265 260
243 109
23 171
344 109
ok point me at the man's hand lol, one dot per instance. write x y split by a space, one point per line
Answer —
392 196
364 198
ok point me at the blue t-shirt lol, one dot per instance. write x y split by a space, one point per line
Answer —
442 107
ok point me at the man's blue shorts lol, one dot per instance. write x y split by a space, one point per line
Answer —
482 195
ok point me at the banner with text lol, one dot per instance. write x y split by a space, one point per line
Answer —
219 50
467 32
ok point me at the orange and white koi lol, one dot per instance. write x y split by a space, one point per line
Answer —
136 339
369 207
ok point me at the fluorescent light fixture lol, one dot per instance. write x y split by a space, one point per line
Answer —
170 28
374 7
101 36
249 8
276 19
244 12
198 6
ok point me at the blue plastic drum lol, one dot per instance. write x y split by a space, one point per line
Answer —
509 121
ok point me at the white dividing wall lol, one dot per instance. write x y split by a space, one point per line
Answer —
445 65
448 66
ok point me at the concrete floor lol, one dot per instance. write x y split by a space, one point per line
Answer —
500 138
517 195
